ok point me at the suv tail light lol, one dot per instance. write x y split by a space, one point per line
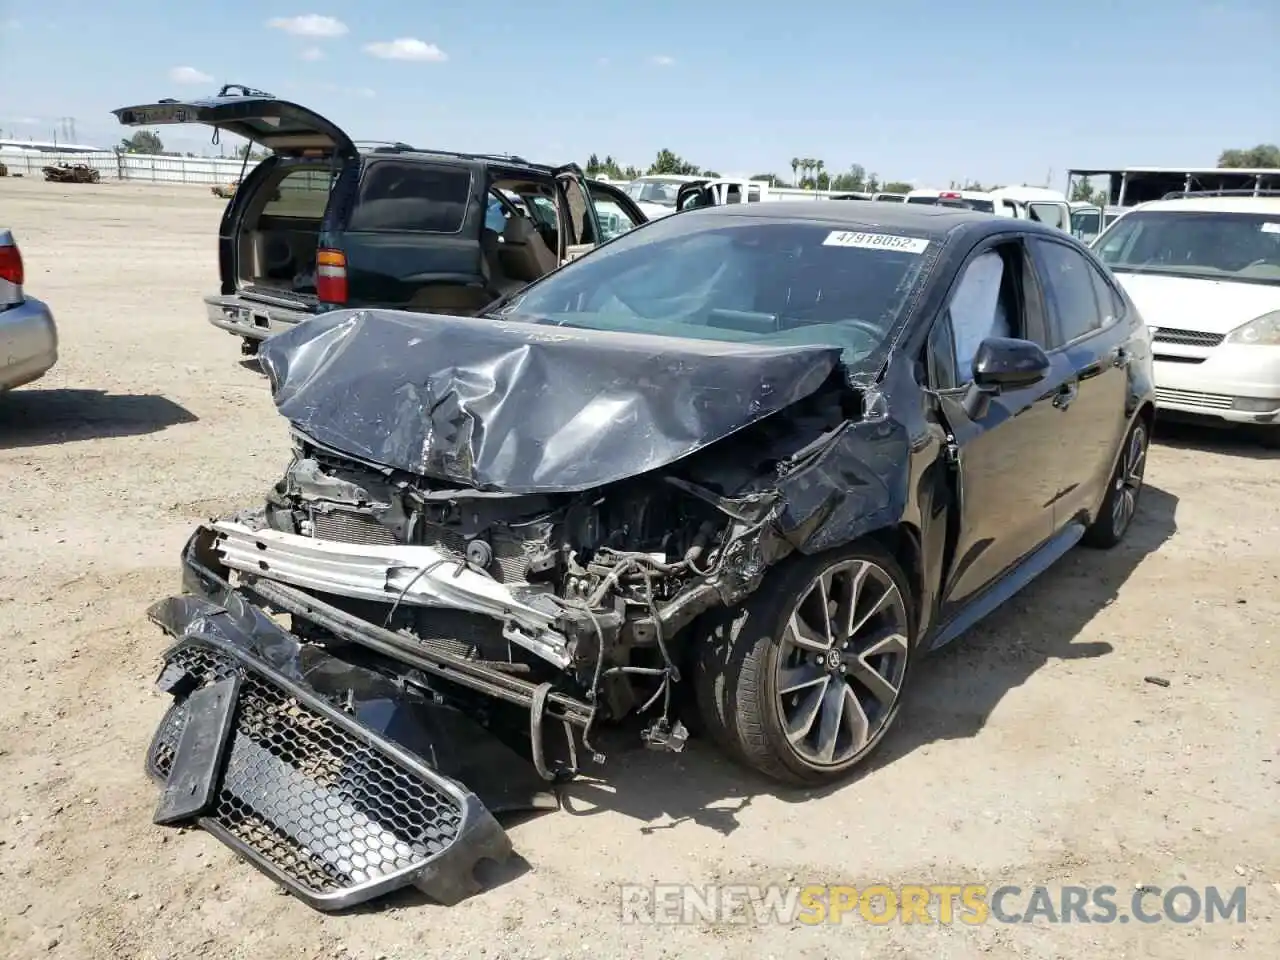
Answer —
331 276
11 264
949 195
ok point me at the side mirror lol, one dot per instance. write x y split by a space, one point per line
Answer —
1003 364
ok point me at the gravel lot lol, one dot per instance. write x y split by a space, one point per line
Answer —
1032 752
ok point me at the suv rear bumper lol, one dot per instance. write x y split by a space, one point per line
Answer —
253 319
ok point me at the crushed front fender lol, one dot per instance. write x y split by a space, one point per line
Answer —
339 783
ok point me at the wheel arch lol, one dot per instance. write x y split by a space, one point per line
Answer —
903 543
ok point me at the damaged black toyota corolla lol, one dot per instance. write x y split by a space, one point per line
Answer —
766 455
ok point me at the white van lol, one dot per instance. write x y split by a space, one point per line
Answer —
1204 271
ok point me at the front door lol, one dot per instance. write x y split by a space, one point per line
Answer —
1006 454
578 214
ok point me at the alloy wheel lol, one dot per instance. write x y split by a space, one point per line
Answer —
1128 482
841 662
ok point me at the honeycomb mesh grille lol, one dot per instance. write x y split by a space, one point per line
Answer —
306 796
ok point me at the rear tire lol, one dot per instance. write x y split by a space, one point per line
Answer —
1120 505
803 681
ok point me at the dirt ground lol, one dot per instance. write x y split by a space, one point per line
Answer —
1032 752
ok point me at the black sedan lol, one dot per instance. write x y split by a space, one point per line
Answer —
767 454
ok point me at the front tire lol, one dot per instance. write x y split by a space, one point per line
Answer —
808 676
1120 505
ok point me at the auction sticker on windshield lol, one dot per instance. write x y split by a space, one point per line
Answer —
1271 228
876 241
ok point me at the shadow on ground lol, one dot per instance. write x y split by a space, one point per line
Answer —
1228 441
953 692
35 418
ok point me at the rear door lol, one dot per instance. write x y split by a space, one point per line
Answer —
277 125
1052 213
579 213
1089 333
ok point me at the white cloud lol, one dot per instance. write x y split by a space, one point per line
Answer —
602 62
406 48
189 75
662 60
312 53
309 25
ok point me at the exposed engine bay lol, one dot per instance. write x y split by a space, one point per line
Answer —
595 592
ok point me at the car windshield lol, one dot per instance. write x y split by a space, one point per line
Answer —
661 192
741 279
1202 244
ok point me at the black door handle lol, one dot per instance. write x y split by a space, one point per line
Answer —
1120 358
1064 395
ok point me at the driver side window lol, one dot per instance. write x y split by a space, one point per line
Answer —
986 302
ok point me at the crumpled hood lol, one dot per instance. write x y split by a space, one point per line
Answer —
520 407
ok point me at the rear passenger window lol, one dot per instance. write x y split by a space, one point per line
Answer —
404 195
1068 277
302 194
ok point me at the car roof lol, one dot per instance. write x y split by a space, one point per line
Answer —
1193 204
874 215
450 156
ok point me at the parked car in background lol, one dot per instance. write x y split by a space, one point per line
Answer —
656 194
325 222
28 335
1204 269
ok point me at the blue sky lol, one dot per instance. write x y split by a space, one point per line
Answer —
925 91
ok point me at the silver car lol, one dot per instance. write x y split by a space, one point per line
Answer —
28 336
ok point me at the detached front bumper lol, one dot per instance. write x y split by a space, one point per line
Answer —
337 781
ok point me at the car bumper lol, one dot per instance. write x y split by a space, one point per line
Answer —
252 318
28 343
1235 383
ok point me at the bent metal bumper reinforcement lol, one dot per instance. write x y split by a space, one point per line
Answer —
331 810
394 573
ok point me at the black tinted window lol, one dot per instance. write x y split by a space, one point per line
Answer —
404 195
1070 285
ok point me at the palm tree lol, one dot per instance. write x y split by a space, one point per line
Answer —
818 165
795 166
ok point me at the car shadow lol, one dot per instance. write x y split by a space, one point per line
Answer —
34 418
1229 441
952 694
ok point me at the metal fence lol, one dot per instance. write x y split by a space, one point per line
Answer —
138 167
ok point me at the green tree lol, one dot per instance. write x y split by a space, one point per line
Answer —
1263 155
670 163
144 141
896 186
852 180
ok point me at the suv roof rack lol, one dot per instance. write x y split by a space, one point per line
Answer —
397 146
1191 194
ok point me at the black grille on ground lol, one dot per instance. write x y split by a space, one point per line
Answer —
1188 338
332 816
